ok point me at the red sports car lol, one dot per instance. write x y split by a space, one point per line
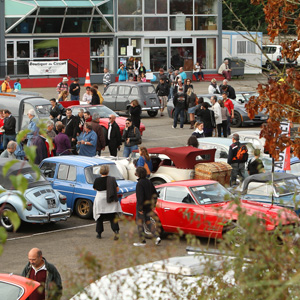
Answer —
104 113
14 287
198 207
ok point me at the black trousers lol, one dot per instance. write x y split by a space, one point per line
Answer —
113 150
112 218
224 127
219 128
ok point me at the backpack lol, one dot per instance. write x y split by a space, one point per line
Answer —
242 154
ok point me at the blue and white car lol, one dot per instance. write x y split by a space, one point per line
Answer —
74 176
43 203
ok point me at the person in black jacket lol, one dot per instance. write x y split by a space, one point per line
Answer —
228 89
162 91
207 116
56 110
75 89
146 196
180 104
135 111
95 97
113 138
131 138
9 128
71 128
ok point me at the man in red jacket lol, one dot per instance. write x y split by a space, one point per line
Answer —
229 105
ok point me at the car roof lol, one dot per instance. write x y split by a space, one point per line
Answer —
79 160
218 141
132 83
26 283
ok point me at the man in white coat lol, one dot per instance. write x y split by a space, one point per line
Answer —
218 114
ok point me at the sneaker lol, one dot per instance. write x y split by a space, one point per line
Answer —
157 241
116 237
98 236
181 127
141 244
161 114
173 127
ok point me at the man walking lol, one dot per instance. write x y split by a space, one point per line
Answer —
106 79
63 86
9 128
46 274
113 139
75 89
97 128
162 91
71 126
180 102
5 87
229 105
237 156
217 113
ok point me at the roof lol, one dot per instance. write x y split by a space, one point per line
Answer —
184 157
131 83
79 160
266 177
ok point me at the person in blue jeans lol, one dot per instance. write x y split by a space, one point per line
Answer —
180 104
131 138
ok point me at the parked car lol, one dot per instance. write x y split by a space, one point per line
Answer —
14 287
43 203
240 115
199 207
169 164
119 95
284 190
104 113
74 175
243 97
252 136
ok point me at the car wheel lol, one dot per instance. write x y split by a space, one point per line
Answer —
84 208
237 120
234 235
269 66
154 222
5 221
157 181
152 113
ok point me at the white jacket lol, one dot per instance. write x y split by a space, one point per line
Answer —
218 113
213 90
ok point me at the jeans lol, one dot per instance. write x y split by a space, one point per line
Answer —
171 93
197 75
73 97
178 111
128 150
7 138
228 126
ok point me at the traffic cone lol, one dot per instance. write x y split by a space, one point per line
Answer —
87 78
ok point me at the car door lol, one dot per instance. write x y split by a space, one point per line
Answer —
110 96
122 100
65 182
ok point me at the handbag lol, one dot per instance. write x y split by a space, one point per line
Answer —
139 140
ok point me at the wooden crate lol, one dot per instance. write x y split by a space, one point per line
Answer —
219 171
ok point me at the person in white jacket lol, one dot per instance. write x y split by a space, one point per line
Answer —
213 87
218 114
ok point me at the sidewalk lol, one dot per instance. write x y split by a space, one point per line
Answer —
249 83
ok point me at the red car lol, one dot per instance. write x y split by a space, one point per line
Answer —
14 287
104 113
198 207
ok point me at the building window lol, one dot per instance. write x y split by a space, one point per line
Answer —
25 26
156 24
99 25
45 48
181 7
76 24
102 54
48 25
23 49
130 23
245 47
241 47
129 7
251 47
156 7
79 11
206 7
182 57
206 52
206 23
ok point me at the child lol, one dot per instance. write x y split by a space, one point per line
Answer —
143 78
17 85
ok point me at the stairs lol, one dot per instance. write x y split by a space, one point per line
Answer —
209 77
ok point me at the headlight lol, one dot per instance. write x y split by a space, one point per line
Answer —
28 206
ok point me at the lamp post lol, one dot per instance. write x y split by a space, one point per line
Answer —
2 38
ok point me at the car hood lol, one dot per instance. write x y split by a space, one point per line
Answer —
126 186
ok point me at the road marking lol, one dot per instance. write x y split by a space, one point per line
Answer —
49 232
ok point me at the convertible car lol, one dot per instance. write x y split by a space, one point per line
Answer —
74 176
285 189
43 203
199 207
169 164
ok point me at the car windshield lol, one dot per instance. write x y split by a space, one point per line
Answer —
148 89
10 291
91 173
103 111
286 186
43 110
211 193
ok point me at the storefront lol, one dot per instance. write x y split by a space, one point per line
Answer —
97 34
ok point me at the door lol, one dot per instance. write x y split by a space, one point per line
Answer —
110 96
122 101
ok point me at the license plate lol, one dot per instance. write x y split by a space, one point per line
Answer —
153 101
51 203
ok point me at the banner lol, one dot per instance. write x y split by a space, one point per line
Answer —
48 67
284 162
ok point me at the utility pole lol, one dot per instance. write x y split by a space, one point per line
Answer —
2 39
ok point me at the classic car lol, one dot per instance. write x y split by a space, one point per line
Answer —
104 113
199 207
284 190
43 203
14 287
252 136
119 95
240 115
74 175
169 164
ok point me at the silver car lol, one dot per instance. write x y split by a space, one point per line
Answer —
119 95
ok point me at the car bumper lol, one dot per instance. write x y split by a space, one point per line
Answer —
151 108
50 217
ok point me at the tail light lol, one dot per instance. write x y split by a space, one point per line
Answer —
62 199
29 206
145 103
278 58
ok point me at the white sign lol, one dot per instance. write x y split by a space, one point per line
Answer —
48 67
129 51
283 163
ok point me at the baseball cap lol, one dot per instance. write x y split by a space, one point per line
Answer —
65 79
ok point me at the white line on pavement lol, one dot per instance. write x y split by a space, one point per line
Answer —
49 232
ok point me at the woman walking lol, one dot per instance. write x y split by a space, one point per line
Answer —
135 111
145 160
106 204
192 101
225 116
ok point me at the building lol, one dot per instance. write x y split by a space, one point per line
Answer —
96 34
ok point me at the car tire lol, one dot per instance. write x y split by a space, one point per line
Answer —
84 208
156 222
269 66
237 120
152 113
235 235
4 221
158 181
185 118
